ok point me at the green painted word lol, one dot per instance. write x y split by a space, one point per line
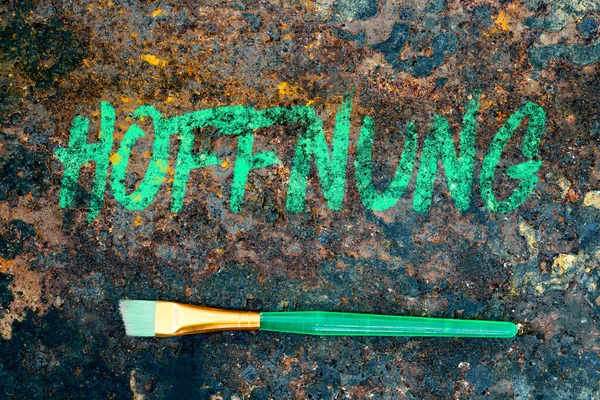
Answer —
242 121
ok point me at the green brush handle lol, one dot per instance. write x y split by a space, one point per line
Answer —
348 324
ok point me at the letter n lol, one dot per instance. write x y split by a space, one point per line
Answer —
459 169
331 168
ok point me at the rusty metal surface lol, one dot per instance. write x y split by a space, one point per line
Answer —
62 276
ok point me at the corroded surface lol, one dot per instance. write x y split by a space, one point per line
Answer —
61 276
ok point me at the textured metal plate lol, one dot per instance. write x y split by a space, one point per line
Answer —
62 272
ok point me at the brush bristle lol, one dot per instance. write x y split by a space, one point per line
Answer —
138 316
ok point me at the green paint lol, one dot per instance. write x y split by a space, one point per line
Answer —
80 153
155 174
331 168
244 162
525 171
235 120
363 170
459 169
243 121
187 160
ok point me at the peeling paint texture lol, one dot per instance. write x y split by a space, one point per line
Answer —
412 226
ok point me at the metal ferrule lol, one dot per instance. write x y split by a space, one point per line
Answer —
175 319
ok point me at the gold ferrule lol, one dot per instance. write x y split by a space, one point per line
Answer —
175 319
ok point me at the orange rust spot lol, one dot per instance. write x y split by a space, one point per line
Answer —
502 20
573 195
27 289
115 159
153 60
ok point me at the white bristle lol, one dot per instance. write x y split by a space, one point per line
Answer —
138 316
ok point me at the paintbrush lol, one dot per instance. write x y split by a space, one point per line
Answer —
166 318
